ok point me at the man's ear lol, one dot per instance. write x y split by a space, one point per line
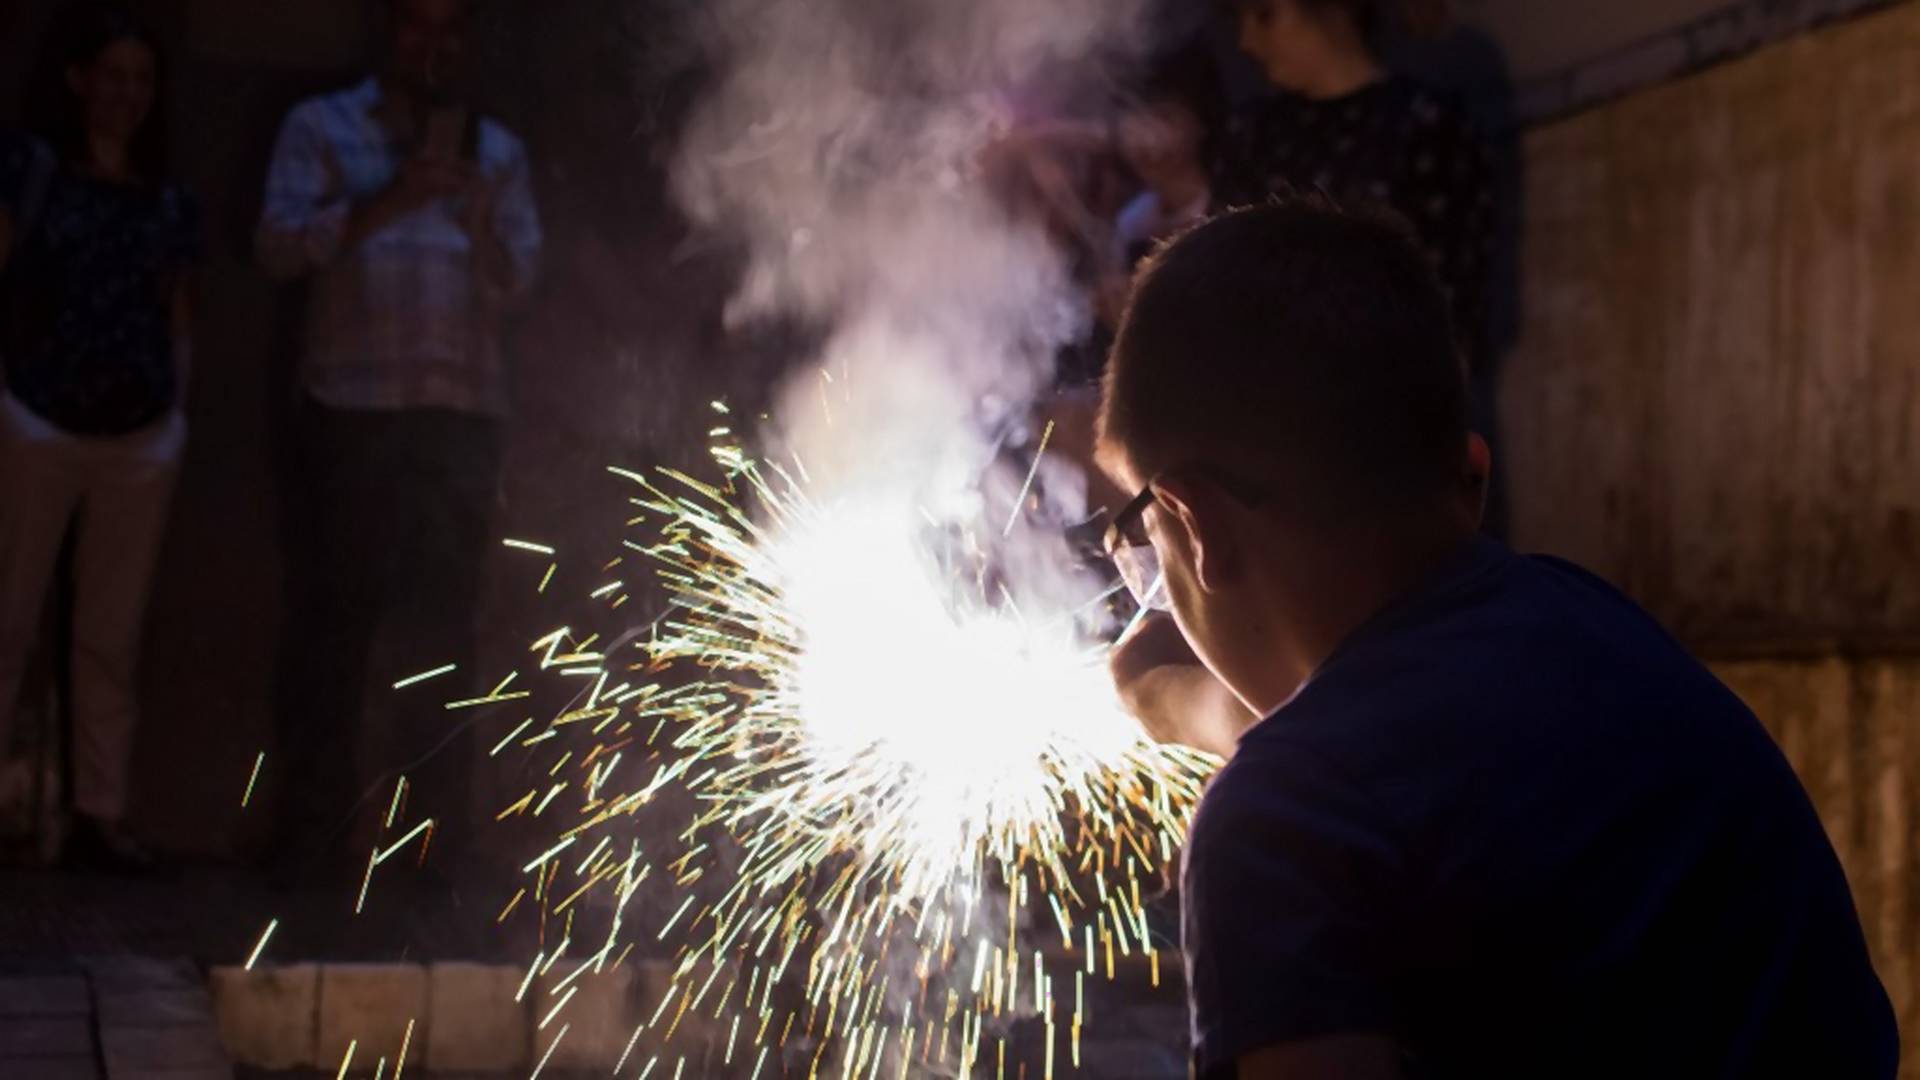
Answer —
1479 477
1201 513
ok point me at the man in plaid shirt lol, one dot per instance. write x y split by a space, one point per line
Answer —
412 219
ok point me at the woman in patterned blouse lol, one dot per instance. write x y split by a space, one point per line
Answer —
1339 123
95 244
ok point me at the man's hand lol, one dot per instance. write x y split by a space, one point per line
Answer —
424 179
491 260
1176 699
421 180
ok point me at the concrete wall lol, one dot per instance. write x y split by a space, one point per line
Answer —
1716 397
1848 728
1716 403
1545 36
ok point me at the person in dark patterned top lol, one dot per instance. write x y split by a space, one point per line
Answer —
95 246
1339 123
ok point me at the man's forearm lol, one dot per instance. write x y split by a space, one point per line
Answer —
1185 704
366 217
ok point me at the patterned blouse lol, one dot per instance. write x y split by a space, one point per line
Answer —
1390 144
91 283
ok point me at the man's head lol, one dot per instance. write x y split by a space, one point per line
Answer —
1285 384
1161 140
1290 39
426 47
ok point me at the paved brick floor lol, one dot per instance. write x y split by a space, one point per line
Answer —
111 1018
105 979
215 916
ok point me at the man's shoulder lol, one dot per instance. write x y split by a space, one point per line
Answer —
330 106
1468 668
498 141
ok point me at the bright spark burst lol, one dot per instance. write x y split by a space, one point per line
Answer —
897 773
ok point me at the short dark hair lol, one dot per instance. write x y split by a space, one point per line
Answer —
1295 343
1421 18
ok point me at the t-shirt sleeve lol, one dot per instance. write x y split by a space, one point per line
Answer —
1290 886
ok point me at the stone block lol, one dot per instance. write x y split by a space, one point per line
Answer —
113 974
76 1068
599 1018
155 1008
268 1016
474 1023
130 1050
371 1007
60 995
43 1037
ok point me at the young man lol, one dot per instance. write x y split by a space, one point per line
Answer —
1482 818
412 216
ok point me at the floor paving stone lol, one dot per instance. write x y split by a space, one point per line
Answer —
58 995
44 1037
155 1008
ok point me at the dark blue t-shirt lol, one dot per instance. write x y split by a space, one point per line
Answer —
1512 825
92 278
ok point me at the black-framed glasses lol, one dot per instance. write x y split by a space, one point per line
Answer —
1133 553
1132 550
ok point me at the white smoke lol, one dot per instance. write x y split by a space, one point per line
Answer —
841 145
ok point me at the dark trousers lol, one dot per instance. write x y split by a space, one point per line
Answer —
390 522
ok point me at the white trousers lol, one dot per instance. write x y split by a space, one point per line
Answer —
114 492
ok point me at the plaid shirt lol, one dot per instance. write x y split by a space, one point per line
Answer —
403 321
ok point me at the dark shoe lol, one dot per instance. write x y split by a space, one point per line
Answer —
96 847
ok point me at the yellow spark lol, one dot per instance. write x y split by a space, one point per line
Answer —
490 699
846 844
527 545
247 796
515 808
1026 488
414 680
373 860
393 810
559 1005
549 1054
347 1061
511 904
406 1040
633 1040
261 945
383 856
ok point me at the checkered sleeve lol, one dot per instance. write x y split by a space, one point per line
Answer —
516 219
304 217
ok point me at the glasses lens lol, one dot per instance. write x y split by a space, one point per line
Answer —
1140 568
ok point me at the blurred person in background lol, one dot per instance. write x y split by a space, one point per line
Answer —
96 244
1337 121
411 216
1165 137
